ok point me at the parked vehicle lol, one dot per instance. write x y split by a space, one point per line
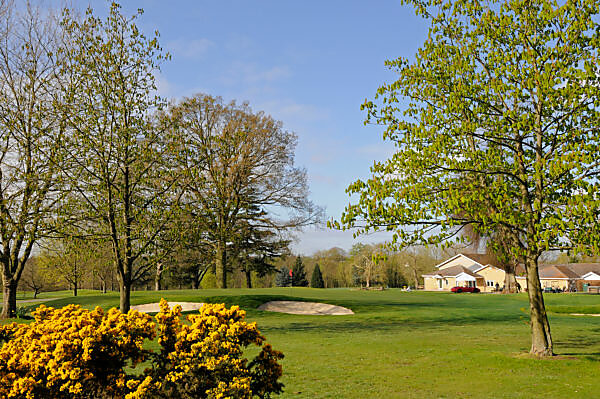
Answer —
552 290
458 290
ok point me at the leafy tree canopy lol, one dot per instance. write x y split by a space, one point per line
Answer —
495 125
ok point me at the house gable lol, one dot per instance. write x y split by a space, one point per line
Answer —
591 276
461 260
493 274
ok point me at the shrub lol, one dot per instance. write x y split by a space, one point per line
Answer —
77 353
316 280
299 274
282 278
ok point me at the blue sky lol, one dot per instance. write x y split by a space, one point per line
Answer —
310 64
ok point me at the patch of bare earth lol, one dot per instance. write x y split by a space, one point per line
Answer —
306 308
155 307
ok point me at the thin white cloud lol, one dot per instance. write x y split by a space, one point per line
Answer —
164 88
195 48
251 74
289 110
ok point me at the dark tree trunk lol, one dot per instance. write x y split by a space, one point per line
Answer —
416 278
248 277
541 340
9 302
196 278
75 288
510 281
124 291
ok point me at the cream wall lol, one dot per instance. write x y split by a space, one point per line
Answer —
554 283
431 284
522 282
494 274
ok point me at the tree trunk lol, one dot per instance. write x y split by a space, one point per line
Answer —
541 340
103 287
510 281
416 278
9 302
221 265
125 292
248 277
196 278
158 276
75 288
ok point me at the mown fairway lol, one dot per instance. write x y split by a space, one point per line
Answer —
414 345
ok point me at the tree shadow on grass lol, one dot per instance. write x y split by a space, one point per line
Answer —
393 325
582 346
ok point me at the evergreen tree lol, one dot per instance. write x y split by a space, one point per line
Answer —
299 274
316 280
282 279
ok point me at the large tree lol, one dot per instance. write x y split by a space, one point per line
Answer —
236 160
299 274
495 119
123 182
254 249
31 129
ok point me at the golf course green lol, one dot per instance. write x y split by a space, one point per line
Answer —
410 344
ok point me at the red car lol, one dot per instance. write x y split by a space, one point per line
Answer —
465 289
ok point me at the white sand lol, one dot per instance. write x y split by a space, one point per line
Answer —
307 308
155 307
585 314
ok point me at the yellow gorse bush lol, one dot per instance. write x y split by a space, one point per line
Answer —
78 353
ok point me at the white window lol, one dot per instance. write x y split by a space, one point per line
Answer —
446 281
490 283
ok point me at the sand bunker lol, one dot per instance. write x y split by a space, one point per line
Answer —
155 307
585 314
308 308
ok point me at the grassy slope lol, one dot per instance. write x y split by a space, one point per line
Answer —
413 345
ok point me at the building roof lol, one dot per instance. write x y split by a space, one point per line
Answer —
558 271
584 268
484 259
453 272
479 260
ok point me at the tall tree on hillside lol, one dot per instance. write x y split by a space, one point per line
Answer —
316 281
333 263
366 263
501 122
254 250
31 130
236 159
122 175
299 274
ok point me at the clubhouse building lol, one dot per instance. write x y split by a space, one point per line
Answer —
482 271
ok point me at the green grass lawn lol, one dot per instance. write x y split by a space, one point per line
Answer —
413 345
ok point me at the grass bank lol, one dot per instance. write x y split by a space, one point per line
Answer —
412 345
